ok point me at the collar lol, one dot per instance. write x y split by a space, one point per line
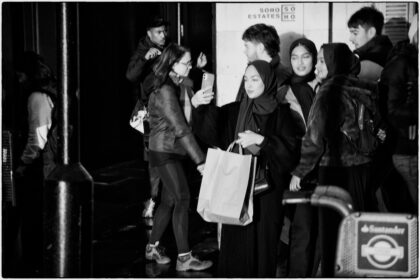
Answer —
152 44
376 49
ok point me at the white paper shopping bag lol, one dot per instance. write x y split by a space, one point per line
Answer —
226 189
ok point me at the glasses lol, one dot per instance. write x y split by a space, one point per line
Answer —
187 64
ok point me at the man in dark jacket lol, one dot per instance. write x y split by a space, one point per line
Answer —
140 66
148 50
399 83
372 47
263 43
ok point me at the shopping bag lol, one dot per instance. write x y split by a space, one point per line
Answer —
226 192
138 117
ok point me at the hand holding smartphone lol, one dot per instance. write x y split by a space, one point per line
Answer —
207 81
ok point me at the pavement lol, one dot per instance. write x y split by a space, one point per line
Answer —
121 234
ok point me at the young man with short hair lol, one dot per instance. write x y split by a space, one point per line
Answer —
140 66
262 42
372 47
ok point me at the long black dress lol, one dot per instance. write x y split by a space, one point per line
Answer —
251 251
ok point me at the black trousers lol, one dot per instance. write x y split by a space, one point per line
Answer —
29 204
303 237
354 179
174 202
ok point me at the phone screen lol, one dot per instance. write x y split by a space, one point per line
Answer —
207 81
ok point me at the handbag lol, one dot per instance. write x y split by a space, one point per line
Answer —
226 191
138 117
261 184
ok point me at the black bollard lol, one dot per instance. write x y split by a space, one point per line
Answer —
68 193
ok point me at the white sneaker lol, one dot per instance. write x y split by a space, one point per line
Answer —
189 262
156 253
149 206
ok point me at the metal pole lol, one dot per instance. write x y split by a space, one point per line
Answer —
68 193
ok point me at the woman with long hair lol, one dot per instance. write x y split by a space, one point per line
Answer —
264 128
325 143
170 140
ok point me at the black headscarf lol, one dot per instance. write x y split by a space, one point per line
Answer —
311 48
263 105
340 60
299 84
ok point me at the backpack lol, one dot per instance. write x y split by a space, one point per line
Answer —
361 133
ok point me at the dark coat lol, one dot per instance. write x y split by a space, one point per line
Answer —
331 111
215 126
250 251
373 56
376 50
139 68
399 89
170 132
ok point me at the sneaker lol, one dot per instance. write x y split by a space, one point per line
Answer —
189 262
149 206
156 253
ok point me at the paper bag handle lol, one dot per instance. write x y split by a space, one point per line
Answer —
229 149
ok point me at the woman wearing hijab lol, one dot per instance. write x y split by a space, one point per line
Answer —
265 129
325 143
299 93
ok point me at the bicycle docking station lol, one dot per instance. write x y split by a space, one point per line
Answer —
369 244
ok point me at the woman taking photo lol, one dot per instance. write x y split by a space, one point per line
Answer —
340 164
299 93
170 140
265 129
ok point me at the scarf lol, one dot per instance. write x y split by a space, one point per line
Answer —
299 84
263 105
340 60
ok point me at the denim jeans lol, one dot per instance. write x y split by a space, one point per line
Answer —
407 166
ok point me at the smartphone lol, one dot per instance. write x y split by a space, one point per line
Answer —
207 81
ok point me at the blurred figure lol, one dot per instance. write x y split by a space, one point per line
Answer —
148 50
170 140
324 143
300 92
399 83
266 129
39 83
262 42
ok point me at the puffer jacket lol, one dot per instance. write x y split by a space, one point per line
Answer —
399 88
324 141
170 132
373 56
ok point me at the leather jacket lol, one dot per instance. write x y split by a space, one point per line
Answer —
170 132
324 142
